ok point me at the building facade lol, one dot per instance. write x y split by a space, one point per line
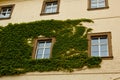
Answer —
103 41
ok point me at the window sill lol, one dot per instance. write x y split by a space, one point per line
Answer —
107 58
49 13
89 9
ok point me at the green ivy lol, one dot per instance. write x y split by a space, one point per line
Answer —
69 51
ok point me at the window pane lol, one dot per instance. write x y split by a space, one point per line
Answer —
104 53
8 12
9 9
48 43
94 48
7 15
47 51
48 10
101 4
39 53
3 14
94 41
93 5
95 53
103 40
54 9
93 1
46 56
101 1
104 48
4 10
41 43
39 56
48 4
55 3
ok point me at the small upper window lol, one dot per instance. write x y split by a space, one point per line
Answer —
50 7
43 48
100 44
98 4
6 11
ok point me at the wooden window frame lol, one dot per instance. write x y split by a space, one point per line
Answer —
108 34
42 39
89 6
12 5
44 5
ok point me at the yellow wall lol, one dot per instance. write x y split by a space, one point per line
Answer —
105 20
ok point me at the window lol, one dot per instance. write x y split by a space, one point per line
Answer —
98 4
43 48
50 7
6 11
99 44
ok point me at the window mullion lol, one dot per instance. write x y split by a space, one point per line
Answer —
97 3
52 7
99 46
44 50
7 11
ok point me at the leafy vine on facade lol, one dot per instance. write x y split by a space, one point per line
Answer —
69 51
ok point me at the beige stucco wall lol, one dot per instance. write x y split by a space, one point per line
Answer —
63 76
105 20
29 10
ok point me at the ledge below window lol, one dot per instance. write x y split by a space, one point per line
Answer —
97 8
49 13
107 58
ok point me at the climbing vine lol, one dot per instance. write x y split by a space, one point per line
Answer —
69 51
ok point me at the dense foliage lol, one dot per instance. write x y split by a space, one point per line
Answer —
69 51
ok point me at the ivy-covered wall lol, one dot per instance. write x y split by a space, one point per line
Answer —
69 51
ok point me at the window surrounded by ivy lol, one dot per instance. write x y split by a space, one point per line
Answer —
50 7
68 52
43 48
6 11
100 44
